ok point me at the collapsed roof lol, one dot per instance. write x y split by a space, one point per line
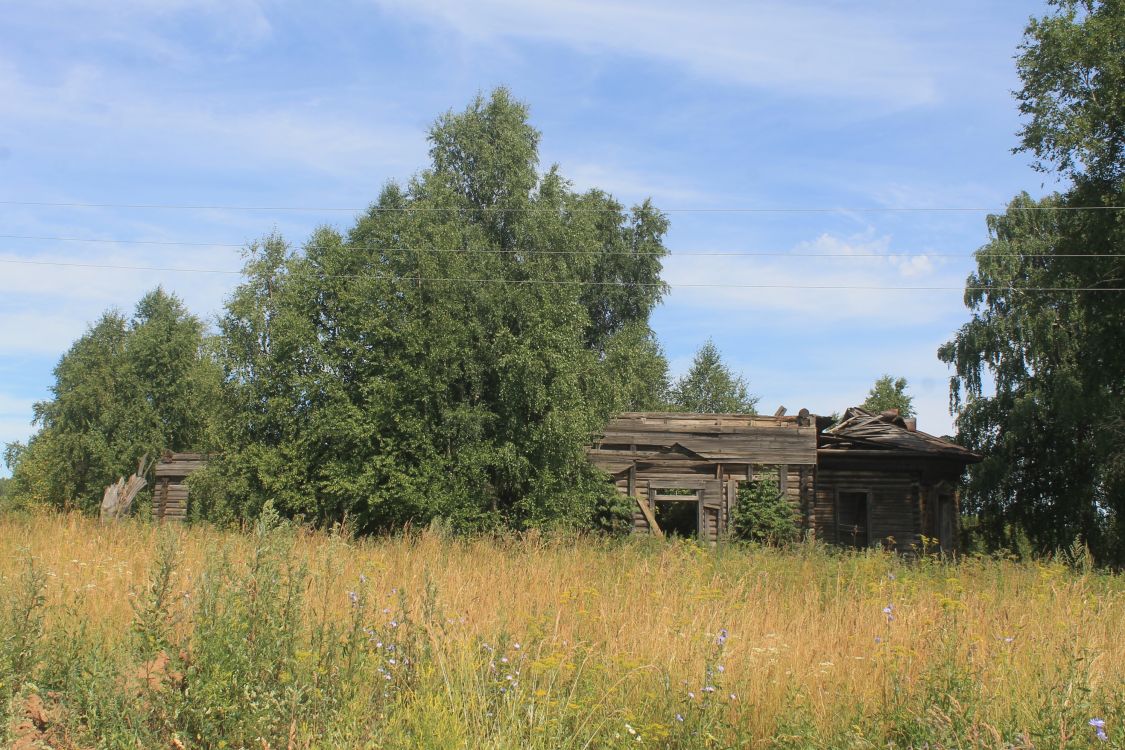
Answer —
887 433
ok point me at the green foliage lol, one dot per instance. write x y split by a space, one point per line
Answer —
125 389
1072 65
443 358
1039 371
762 514
710 387
1042 430
273 637
21 629
889 393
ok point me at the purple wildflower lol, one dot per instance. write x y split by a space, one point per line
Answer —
1099 729
889 612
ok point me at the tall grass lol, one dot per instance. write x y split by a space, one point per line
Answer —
133 636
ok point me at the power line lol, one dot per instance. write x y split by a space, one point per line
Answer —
672 253
567 282
731 209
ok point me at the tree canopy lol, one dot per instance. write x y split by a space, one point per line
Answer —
1039 373
126 388
709 386
447 356
889 392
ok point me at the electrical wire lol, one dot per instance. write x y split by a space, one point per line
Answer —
567 282
732 209
670 254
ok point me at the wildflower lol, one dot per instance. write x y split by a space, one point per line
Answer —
709 689
630 729
889 612
679 717
1099 729
720 668
363 579
516 646
354 597
691 695
503 660
891 576
722 637
733 697
878 639
1009 639
394 624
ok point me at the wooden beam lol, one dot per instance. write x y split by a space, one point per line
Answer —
649 516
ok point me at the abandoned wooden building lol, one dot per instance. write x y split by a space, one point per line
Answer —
866 479
170 493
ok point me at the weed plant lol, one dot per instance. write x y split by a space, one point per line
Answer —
278 637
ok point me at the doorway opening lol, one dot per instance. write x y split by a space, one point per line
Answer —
851 518
679 517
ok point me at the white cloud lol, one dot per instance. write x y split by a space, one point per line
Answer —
154 29
801 285
176 131
786 47
629 185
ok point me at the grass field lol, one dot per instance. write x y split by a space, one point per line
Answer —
137 637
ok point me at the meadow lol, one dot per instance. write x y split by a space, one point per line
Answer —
133 636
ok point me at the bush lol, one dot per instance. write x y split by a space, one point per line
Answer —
763 515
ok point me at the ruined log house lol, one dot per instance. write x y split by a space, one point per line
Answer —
867 479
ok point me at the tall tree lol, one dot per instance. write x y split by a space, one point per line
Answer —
889 393
709 386
451 354
124 389
1039 383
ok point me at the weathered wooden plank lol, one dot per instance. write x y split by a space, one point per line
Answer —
684 482
664 498
653 526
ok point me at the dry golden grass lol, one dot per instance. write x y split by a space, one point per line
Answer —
631 627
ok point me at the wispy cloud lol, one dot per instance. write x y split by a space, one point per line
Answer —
785 47
862 261
116 114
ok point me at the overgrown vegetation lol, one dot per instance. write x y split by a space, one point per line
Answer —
887 393
446 357
711 387
127 388
132 636
763 514
1039 370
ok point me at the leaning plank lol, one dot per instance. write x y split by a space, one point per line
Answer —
648 514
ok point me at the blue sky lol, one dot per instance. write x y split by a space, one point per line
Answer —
874 105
